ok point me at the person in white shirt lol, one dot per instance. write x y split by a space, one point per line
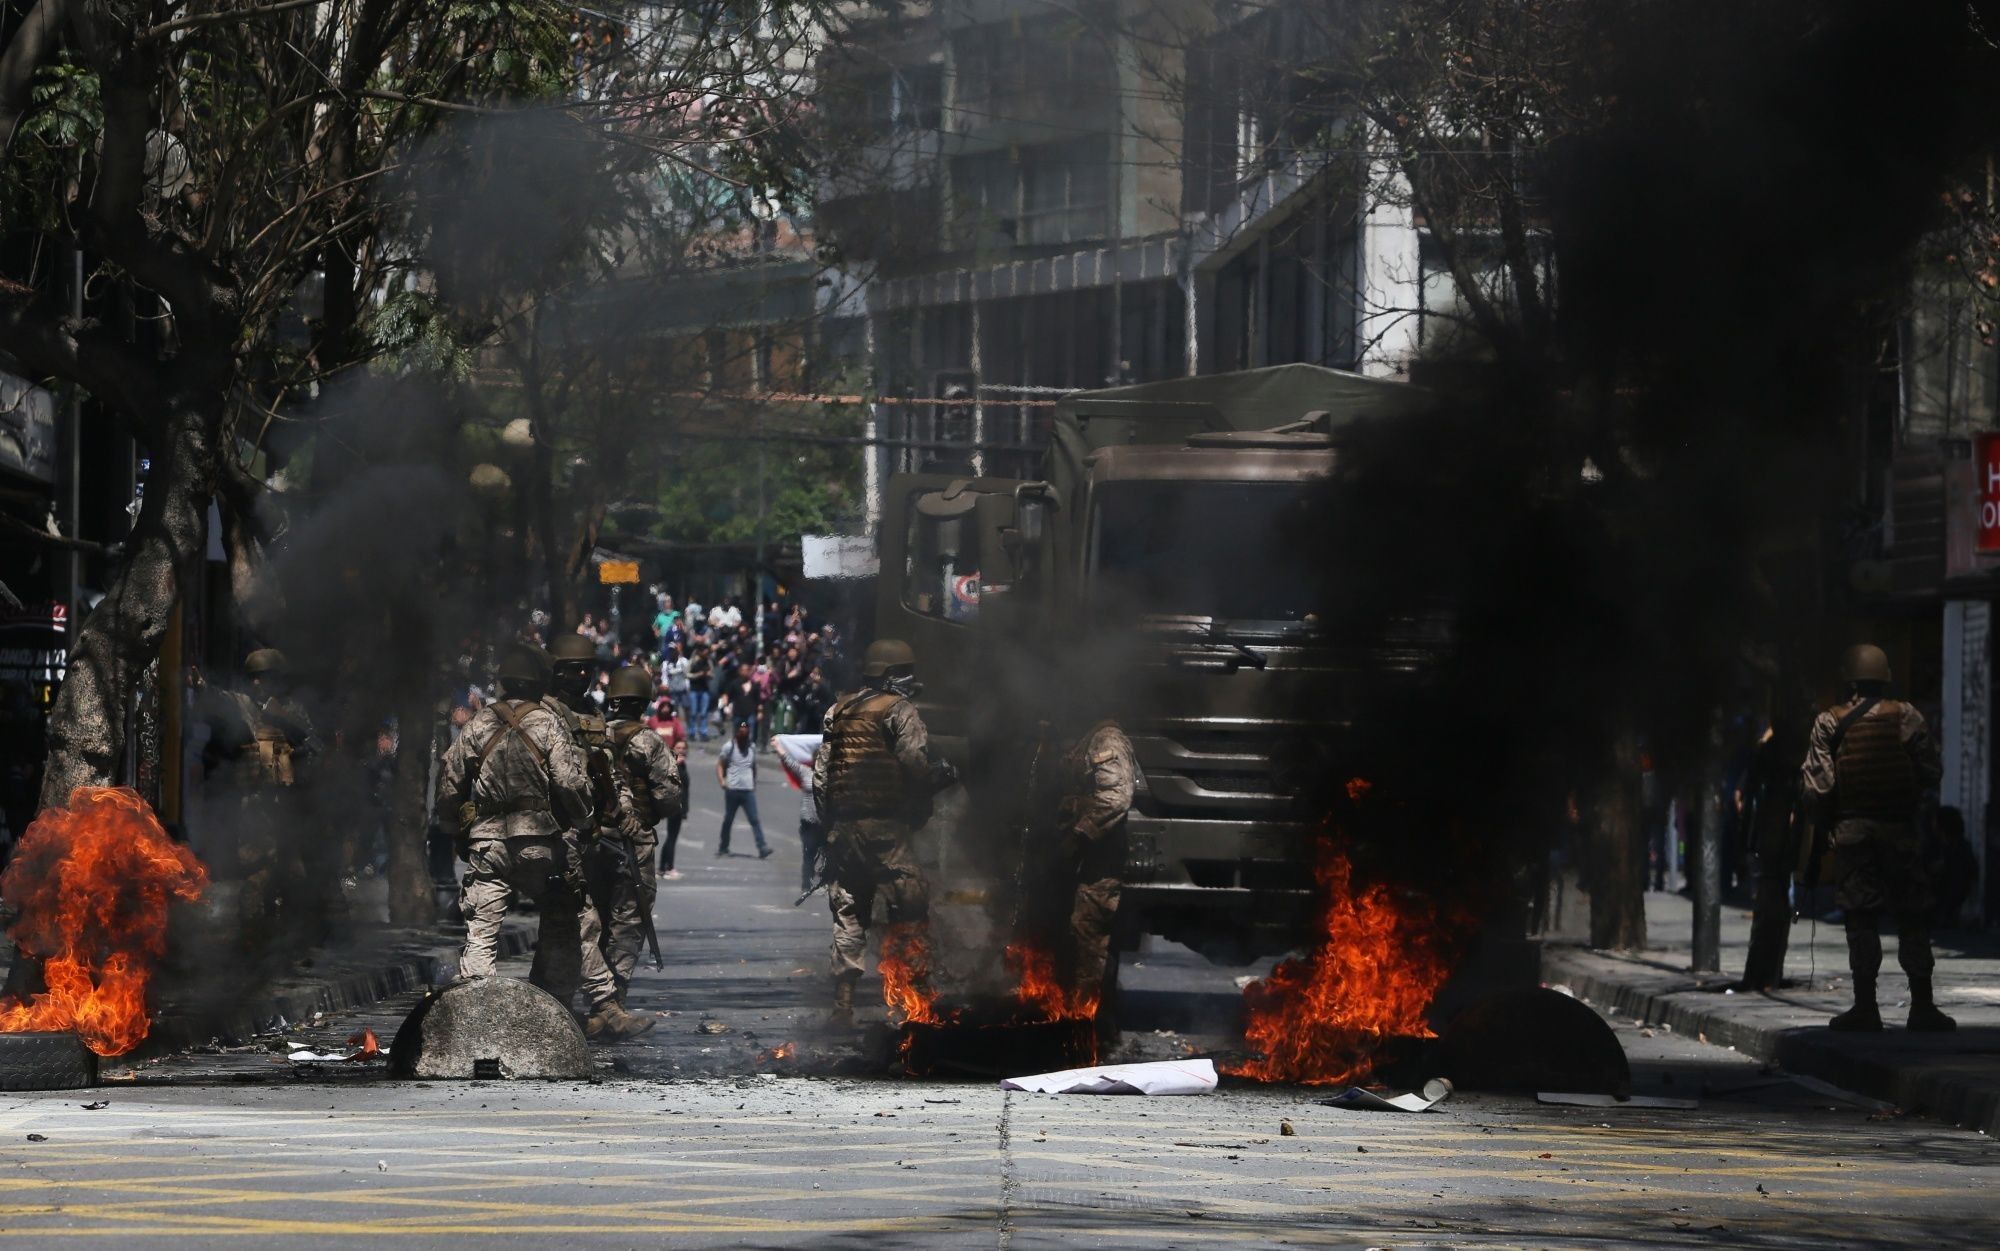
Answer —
736 773
795 753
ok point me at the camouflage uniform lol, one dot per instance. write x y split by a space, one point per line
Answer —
1868 794
871 783
1099 776
647 767
517 775
607 836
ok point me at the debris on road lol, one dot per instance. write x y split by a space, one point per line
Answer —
1529 1040
1162 1077
1585 1099
1285 1129
38 1137
97 1106
1435 1091
711 1027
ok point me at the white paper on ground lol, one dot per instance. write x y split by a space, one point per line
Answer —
304 1054
1575 1100
1368 1100
1164 1077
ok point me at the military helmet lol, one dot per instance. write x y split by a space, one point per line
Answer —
631 682
1864 662
886 654
571 646
264 660
522 663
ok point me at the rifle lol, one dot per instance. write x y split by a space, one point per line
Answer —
652 935
615 854
819 871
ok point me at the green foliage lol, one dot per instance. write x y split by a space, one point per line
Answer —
65 114
411 334
709 492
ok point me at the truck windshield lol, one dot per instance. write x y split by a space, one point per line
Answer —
1230 551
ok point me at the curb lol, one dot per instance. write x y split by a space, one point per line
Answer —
409 967
1928 1083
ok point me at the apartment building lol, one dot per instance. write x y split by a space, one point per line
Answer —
1050 196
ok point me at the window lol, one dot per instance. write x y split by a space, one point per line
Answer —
941 562
1048 194
1066 190
1225 550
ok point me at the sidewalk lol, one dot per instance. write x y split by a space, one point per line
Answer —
1952 1077
206 992
370 964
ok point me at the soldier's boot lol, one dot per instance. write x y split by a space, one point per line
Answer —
611 1023
1924 1015
842 1015
1863 1017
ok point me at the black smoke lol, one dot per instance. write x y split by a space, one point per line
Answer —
1631 518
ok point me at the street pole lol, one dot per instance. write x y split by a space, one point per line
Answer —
1708 858
757 572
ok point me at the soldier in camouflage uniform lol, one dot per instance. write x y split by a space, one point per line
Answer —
872 783
607 843
1099 775
647 767
1867 765
267 738
514 782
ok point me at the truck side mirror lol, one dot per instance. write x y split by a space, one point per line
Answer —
949 534
1030 516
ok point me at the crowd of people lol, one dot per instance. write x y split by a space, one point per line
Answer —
737 678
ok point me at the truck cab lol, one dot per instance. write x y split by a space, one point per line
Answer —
1158 574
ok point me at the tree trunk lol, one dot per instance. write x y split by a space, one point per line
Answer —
1617 859
1708 858
409 828
122 635
1776 828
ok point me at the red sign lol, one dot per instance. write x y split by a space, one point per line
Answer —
1986 463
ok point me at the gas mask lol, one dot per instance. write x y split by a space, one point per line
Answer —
572 679
905 684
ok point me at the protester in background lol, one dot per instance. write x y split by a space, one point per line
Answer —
743 701
665 721
798 754
736 773
766 679
814 698
674 674
700 692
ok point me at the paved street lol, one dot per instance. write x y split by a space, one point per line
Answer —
240 1147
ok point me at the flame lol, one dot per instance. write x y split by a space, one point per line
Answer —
783 1051
366 1045
1358 788
1378 963
905 967
1041 992
92 882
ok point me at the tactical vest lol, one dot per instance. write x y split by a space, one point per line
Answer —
1873 774
512 714
864 778
270 744
644 801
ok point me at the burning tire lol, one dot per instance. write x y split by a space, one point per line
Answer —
45 1060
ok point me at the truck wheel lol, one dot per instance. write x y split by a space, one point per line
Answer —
45 1060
